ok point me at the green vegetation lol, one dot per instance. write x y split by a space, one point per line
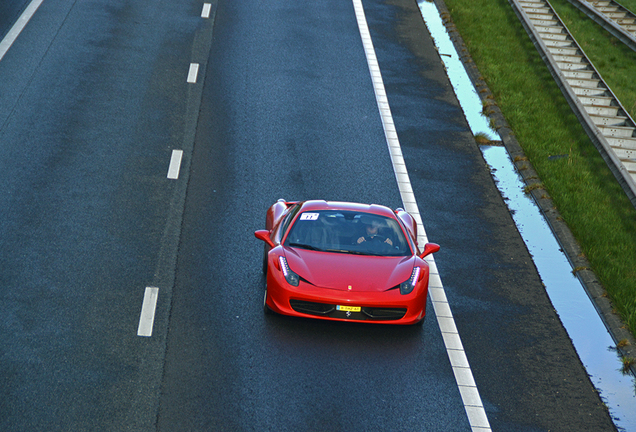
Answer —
581 185
614 61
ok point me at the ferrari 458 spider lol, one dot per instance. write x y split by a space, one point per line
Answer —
344 261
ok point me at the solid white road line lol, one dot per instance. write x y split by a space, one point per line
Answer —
147 317
463 375
193 72
17 28
205 13
175 164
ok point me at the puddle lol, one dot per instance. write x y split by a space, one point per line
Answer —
577 313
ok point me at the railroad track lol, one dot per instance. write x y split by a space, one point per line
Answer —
606 122
613 17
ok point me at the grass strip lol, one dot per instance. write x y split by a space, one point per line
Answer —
581 185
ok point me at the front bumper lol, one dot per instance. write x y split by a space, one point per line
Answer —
309 301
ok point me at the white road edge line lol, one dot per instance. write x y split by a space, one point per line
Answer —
463 375
147 316
193 72
205 12
175 164
19 25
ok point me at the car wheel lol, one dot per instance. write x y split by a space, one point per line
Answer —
265 251
266 309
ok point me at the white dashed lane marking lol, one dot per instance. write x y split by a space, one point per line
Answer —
151 294
463 375
205 12
175 164
193 72
147 317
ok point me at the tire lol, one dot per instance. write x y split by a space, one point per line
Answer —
266 309
265 252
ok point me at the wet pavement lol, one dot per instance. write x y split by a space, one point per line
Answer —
594 344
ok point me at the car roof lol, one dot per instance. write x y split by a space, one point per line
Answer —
314 205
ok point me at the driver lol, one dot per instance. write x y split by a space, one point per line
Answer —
371 232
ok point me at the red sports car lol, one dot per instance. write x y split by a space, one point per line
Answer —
344 261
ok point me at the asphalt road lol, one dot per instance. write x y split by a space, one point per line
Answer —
10 10
94 98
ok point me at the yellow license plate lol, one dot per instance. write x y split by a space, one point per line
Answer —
349 308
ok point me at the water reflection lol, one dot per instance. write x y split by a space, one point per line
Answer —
577 313
464 89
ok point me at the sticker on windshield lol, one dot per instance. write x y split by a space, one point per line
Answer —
309 216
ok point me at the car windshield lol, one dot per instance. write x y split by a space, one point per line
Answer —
348 232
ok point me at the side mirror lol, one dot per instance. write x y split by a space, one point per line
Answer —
429 248
265 236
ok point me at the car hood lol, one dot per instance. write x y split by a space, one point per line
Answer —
347 272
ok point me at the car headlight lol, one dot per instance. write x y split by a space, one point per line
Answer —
292 278
407 286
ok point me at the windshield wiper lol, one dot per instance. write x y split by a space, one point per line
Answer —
305 246
314 248
353 252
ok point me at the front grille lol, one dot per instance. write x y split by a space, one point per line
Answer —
384 313
329 310
311 307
